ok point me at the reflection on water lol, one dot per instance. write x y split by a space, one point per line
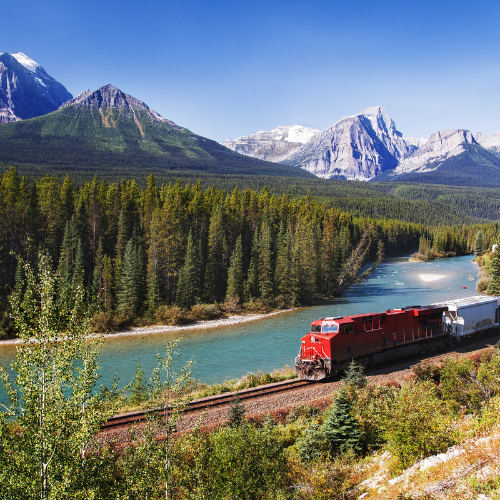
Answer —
232 351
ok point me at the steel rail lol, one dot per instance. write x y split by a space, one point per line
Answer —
209 402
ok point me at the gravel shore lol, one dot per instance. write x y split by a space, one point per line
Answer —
198 325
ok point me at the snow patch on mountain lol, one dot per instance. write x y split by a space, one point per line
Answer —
274 145
26 61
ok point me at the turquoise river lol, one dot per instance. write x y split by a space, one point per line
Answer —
232 351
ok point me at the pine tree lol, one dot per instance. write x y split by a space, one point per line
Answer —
236 412
266 281
479 245
341 430
187 286
494 284
235 282
128 297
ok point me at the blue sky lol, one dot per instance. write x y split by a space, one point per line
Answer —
229 68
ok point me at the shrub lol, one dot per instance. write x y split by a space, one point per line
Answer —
417 424
202 312
104 322
171 315
243 462
425 372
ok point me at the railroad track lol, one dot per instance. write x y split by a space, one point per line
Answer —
127 419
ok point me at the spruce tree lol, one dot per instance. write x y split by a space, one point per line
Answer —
479 245
252 283
341 430
128 297
216 271
494 284
354 376
266 281
236 412
187 286
235 286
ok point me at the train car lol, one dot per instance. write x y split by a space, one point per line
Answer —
376 338
471 315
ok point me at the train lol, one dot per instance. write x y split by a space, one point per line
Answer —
376 338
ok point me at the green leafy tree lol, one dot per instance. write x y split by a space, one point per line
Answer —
53 399
138 386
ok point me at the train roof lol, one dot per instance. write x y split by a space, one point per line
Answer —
419 311
456 304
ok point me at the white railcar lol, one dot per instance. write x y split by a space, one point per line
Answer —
470 315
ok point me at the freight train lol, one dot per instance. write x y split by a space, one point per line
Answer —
376 338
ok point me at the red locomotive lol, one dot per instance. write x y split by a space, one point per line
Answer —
370 339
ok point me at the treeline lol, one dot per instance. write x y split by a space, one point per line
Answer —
135 249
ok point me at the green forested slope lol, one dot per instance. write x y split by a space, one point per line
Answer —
85 142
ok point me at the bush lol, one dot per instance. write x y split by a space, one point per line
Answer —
171 315
243 462
417 424
203 312
104 322
425 372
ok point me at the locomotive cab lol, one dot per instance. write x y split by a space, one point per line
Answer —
314 359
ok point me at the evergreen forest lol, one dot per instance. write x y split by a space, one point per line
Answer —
138 252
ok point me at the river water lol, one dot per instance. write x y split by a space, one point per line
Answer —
233 351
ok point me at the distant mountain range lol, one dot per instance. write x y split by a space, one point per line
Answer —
367 146
107 131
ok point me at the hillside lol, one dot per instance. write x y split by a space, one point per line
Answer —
114 135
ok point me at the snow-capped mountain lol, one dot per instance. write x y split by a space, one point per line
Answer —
441 146
274 145
356 147
26 90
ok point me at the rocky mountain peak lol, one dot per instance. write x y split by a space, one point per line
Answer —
108 98
440 146
26 90
356 147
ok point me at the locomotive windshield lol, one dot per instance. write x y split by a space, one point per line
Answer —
329 328
316 328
